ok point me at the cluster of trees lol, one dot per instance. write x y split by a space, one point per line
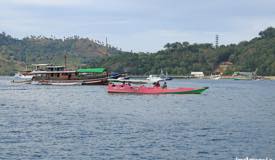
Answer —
39 49
176 58
182 58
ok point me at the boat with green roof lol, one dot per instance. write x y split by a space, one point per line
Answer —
59 75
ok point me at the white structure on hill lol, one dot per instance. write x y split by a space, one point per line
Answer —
197 74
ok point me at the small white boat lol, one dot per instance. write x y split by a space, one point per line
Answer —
165 76
154 78
24 77
215 77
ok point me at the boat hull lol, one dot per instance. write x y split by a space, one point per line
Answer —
57 83
103 81
21 81
152 90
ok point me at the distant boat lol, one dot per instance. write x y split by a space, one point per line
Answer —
134 81
23 77
215 77
150 80
165 77
244 75
154 78
120 76
114 75
168 78
123 78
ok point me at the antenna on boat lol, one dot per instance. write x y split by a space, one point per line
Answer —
65 61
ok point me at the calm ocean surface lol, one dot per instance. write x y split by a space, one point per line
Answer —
232 119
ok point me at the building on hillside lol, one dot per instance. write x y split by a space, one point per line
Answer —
224 66
197 74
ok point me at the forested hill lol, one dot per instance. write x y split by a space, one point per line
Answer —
15 53
182 58
176 58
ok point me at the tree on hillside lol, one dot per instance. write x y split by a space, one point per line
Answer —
268 33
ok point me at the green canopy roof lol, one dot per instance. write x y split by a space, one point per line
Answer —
91 70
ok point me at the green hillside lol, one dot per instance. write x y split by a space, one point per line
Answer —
182 58
15 54
175 58
9 67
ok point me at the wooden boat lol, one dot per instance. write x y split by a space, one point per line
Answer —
127 88
58 75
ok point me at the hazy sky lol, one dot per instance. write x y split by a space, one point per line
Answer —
139 25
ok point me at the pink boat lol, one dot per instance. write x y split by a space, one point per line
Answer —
126 88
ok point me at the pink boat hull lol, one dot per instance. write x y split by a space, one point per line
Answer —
125 88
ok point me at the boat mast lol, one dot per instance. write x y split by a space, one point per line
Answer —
65 61
26 64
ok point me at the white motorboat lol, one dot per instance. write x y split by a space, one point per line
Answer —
215 77
154 78
22 77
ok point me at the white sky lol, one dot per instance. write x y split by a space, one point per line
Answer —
139 25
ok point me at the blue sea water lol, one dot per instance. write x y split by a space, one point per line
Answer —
231 119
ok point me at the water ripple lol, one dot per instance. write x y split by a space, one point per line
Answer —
233 118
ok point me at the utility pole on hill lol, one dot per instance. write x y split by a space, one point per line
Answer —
106 42
217 41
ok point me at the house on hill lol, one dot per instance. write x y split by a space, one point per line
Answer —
224 66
